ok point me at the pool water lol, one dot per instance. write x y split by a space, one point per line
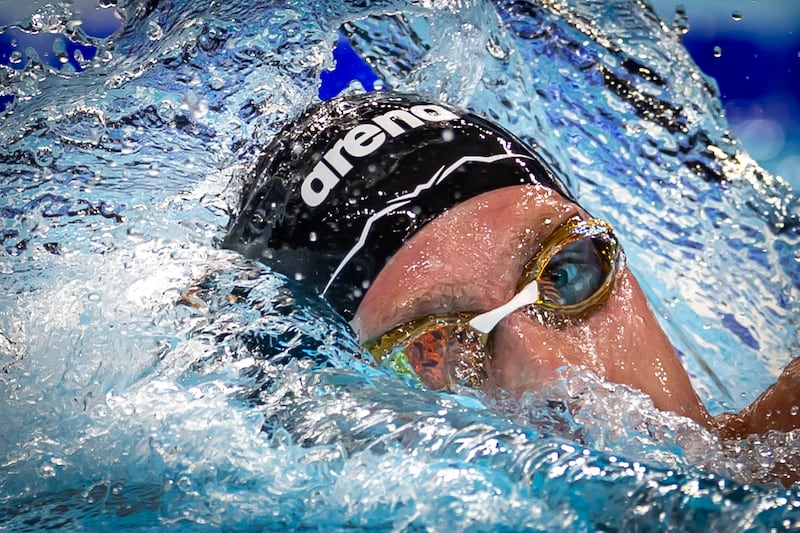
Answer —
153 381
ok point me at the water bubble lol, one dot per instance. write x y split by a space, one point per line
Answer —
36 22
184 483
194 104
763 138
312 236
78 56
794 410
128 147
104 56
681 20
154 31
495 49
736 15
717 51
59 46
165 111
48 471
43 156
216 83
16 57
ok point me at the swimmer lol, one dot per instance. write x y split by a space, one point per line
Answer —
455 251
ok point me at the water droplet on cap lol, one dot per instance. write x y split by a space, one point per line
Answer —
736 15
717 51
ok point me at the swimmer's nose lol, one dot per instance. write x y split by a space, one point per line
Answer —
526 354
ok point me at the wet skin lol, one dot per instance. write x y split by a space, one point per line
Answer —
471 258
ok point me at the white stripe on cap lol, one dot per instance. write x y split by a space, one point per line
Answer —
442 174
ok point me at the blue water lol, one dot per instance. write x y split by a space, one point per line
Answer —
152 381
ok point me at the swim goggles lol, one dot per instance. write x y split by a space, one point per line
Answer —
569 278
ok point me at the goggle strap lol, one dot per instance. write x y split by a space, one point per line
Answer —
486 322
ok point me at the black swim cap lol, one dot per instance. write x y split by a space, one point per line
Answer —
340 190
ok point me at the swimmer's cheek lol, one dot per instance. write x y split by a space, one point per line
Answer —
523 359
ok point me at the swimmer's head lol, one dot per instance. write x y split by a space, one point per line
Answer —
410 215
340 190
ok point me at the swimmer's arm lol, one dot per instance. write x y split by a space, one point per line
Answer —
778 408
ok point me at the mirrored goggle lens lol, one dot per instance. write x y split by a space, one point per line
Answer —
575 270
441 353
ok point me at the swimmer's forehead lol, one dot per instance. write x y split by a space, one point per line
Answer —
468 259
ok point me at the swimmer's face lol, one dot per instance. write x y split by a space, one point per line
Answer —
470 259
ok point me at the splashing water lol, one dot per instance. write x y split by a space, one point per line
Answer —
152 380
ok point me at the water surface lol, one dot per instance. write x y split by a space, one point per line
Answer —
151 380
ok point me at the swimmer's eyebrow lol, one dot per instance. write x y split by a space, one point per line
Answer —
444 298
